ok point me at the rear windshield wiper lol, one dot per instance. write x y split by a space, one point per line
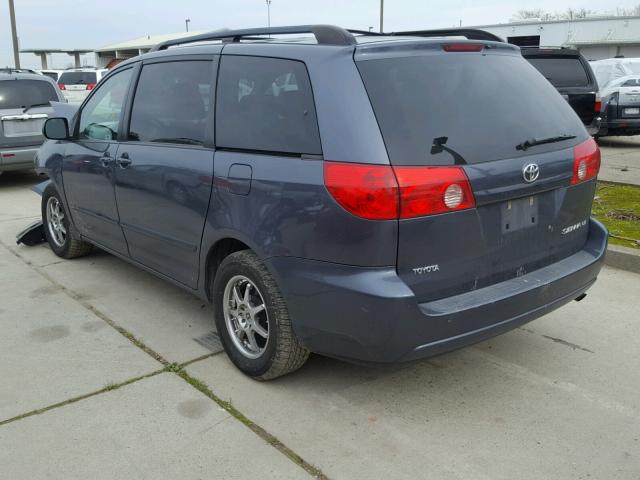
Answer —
541 141
35 105
439 145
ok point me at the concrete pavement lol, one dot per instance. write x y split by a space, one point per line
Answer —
620 159
91 343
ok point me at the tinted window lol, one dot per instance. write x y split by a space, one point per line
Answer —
23 93
266 104
635 82
561 71
100 116
484 104
172 102
77 78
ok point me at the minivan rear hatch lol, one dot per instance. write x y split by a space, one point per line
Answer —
479 108
24 107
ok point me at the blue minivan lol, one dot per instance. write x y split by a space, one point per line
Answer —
368 197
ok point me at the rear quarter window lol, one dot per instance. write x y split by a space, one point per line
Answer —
561 71
265 104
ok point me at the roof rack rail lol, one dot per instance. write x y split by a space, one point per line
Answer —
470 33
325 35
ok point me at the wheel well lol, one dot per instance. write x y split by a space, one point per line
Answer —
217 253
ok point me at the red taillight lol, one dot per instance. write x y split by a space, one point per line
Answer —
61 86
431 190
598 104
586 161
382 192
367 191
462 47
91 86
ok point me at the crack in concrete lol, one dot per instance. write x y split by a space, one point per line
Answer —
574 346
70 401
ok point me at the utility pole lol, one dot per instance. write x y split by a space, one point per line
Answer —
269 13
381 16
186 23
14 35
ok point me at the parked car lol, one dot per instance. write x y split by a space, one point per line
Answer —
570 73
53 74
353 219
621 107
77 83
16 70
24 107
610 69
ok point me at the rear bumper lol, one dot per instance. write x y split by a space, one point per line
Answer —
19 158
370 315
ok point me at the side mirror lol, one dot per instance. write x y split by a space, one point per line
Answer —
56 128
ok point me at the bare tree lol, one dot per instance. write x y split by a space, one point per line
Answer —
628 12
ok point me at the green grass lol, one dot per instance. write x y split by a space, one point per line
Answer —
618 207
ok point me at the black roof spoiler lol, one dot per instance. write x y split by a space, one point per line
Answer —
470 33
325 35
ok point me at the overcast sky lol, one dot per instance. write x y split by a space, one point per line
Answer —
93 23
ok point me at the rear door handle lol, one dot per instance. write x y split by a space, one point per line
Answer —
123 160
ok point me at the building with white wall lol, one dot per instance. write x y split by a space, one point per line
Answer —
110 54
597 37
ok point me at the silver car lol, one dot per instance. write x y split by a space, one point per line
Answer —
24 106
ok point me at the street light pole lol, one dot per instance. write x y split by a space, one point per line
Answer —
269 13
381 16
14 34
186 23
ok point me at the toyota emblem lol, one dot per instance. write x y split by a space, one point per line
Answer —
530 172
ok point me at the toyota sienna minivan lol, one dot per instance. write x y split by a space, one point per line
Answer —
367 197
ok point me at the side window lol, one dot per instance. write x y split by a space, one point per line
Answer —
100 116
265 104
634 82
172 103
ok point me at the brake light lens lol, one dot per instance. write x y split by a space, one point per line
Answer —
598 104
462 47
91 86
586 161
433 190
382 192
367 191
61 86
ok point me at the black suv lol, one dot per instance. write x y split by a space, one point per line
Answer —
571 74
368 197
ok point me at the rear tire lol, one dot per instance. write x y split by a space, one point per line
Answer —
60 233
242 331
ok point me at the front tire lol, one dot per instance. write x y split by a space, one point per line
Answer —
60 233
252 319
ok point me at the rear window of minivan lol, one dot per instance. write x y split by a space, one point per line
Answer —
561 71
481 104
77 78
24 93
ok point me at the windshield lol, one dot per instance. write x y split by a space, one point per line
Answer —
561 71
483 105
77 78
24 93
